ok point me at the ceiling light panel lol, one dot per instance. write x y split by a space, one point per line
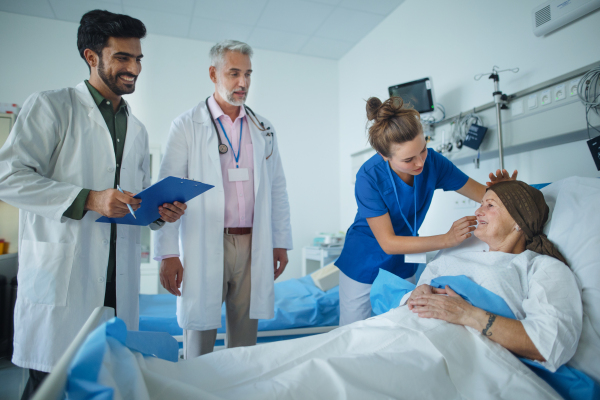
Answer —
348 25
246 12
161 23
381 7
182 7
277 40
215 31
301 17
68 10
35 8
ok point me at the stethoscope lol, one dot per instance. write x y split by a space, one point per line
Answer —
222 146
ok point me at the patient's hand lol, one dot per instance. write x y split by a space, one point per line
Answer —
451 308
421 290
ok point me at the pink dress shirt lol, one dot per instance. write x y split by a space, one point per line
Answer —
239 196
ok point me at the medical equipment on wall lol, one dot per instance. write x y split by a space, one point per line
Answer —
553 14
475 136
588 91
460 132
418 94
501 100
252 117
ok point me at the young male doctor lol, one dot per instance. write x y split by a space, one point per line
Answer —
235 237
61 165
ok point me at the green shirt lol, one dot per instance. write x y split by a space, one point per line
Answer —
116 122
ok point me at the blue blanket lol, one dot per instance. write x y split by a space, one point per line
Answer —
298 304
85 367
388 289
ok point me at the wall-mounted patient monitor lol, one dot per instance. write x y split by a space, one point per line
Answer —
419 94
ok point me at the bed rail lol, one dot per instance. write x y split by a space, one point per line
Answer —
53 387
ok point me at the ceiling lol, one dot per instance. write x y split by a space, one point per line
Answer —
320 28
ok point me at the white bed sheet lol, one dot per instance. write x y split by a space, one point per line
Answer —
396 355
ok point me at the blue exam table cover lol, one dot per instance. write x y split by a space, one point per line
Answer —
298 304
388 289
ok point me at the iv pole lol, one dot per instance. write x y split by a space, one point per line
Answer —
500 99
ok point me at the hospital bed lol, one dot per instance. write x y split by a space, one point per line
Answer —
570 227
301 309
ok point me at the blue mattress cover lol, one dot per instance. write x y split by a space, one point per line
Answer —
298 304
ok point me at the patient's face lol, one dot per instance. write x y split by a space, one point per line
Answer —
494 223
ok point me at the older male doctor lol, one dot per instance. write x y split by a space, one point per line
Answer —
234 238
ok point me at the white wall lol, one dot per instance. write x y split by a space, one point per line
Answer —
451 41
297 93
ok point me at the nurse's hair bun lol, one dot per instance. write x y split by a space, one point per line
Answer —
393 122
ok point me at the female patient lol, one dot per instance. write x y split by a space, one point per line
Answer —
540 290
422 349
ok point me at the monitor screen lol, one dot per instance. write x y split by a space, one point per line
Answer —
416 93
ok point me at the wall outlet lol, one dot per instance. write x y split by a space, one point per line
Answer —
559 92
546 97
573 87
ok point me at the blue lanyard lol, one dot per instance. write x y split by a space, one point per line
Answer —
413 231
237 158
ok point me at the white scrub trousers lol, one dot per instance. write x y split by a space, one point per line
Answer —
355 300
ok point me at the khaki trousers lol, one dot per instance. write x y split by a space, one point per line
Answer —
241 330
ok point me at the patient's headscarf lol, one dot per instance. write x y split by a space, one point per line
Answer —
526 205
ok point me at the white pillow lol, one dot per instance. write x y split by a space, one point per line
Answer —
575 230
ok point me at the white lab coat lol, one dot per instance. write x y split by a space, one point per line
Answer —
59 145
192 152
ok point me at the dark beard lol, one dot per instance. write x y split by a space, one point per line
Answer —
111 81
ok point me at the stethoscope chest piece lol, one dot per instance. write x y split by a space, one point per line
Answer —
222 147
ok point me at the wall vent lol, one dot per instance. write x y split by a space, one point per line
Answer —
542 16
554 14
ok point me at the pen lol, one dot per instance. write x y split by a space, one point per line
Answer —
128 206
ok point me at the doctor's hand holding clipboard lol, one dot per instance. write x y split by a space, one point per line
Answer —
163 201
112 203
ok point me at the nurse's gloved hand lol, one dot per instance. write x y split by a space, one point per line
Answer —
461 230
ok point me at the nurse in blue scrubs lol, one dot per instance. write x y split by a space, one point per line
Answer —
393 191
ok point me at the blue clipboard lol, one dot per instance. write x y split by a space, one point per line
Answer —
167 190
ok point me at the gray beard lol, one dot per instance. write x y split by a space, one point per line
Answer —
228 96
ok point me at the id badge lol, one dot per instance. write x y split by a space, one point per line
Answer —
418 258
238 174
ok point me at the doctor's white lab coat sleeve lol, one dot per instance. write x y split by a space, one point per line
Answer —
280 205
174 163
29 156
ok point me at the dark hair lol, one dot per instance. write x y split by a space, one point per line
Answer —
97 26
394 122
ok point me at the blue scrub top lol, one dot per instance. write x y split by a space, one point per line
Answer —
362 256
